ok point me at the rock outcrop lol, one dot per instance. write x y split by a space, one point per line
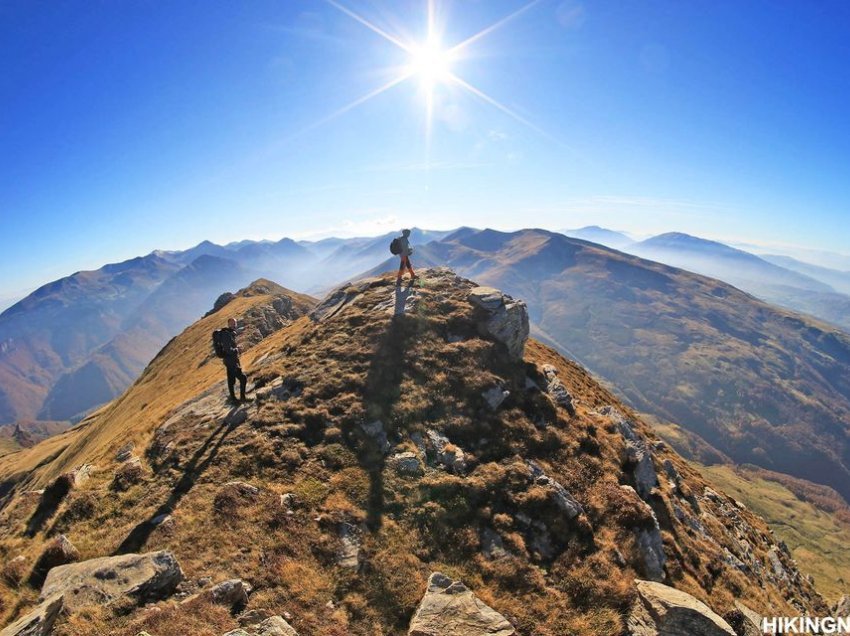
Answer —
661 610
145 577
505 319
449 607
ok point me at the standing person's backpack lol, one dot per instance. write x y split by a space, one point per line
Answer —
395 246
219 344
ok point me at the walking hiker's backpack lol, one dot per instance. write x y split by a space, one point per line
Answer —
395 246
219 344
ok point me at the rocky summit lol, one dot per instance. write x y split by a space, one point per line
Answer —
409 462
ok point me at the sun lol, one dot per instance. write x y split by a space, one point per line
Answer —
431 63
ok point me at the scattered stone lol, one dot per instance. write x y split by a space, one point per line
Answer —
556 389
254 616
232 594
82 474
59 551
661 610
649 542
407 464
842 607
38 622
449 607
506 319
348 555
776 564
491 544
494 396
146 577
744 621
287 501
375 432
125 452
563 499
638 454
451 457
128 474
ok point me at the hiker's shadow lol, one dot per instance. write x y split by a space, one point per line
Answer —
402 294
382 391
139 535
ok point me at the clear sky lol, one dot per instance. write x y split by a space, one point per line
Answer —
130 125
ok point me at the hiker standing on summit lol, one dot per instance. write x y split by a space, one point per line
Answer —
404 252
224 343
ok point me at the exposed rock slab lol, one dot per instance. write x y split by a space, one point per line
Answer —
661 610
449 607
38 622
145 577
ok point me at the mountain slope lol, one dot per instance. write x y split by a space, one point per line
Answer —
762 385
56 328
787 287
395 432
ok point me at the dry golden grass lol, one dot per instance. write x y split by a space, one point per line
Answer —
359 366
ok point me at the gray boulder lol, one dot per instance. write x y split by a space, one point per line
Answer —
450 456
556 389
649 542
638 454
272 626
232 593
407 464
348 554
375 432
145 577
38 622
494 396
505 319
59 551
661 610
449 607
563 499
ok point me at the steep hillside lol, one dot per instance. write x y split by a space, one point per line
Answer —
177 302
394 434
762 385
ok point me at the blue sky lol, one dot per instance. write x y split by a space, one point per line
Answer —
128 125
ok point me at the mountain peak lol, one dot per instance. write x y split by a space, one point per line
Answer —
397 432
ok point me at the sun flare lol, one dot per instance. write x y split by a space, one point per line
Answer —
430 63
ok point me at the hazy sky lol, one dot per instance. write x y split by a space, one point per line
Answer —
130 125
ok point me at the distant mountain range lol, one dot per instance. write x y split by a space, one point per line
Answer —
80 341
762 385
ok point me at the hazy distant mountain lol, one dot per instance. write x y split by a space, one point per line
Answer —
767 280
600 235
55 329
763 385
178 301
838 280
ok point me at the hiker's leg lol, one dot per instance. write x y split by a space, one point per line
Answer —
410 269
231 380
400 269
243 380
